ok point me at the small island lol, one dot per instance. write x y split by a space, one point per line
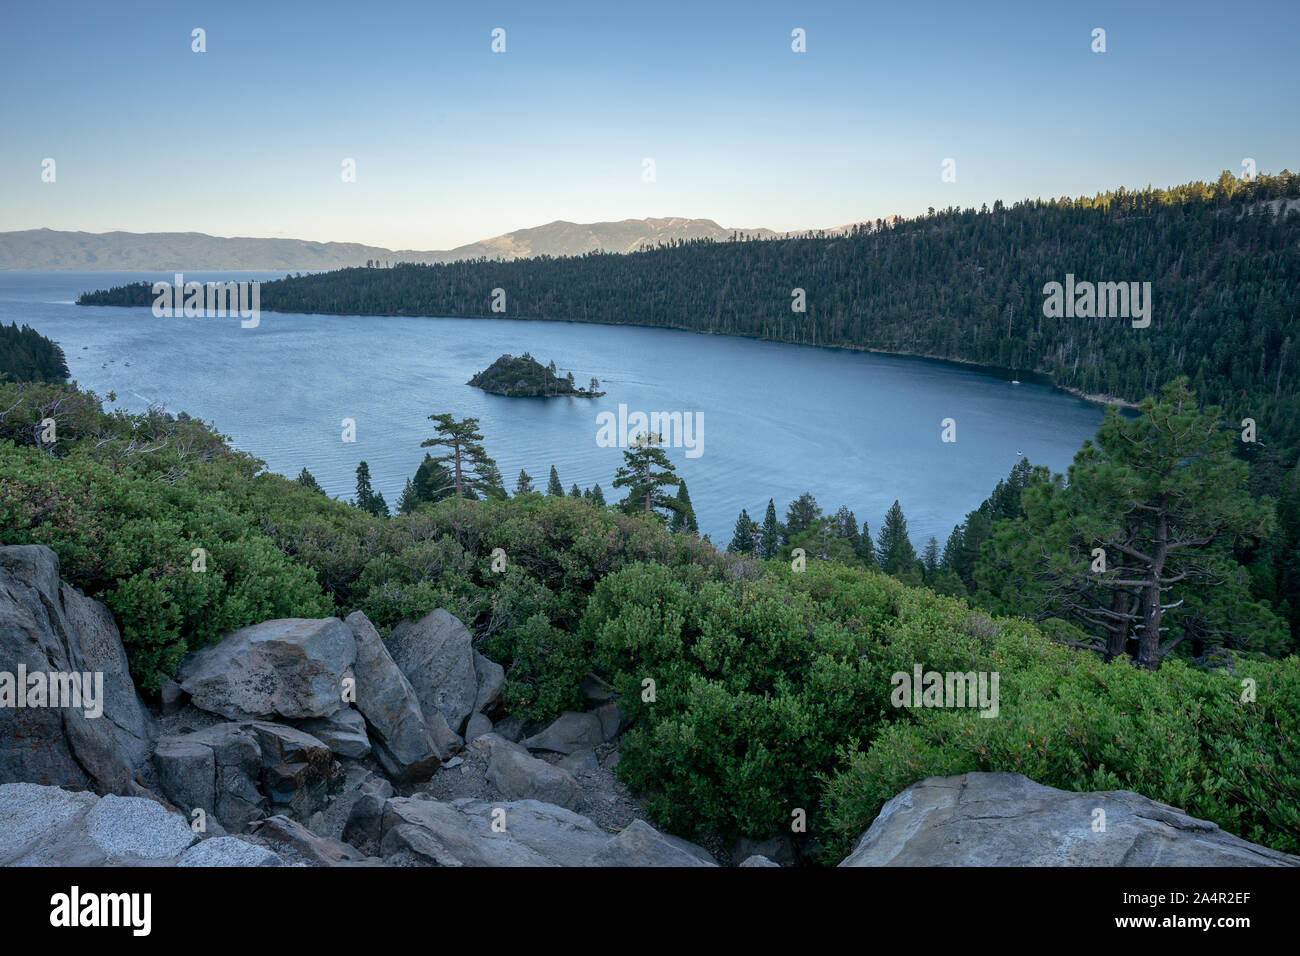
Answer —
525 377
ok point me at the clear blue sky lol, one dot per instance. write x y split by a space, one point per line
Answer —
454 143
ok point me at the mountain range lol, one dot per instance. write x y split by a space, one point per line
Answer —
145 251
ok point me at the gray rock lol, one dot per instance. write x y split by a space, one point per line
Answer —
477 726
358 782
479 833
228 851
779 848
640 844
612 720
238 772
580 761
237 758
519 776
759 861
445 740
490 677
292 668
134 828
596 691
569 732
1006 819
404 744
31 813
47 826
559 836
343 733
298 771
170 697
48 626
437 657
364 827
509 728
187 773
291 836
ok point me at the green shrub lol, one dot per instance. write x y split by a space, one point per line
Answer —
1177 735
128 540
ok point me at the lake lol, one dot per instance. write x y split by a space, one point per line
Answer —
851 427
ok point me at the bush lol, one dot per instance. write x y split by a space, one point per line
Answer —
127 540
757 682
1177 735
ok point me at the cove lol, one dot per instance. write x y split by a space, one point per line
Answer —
854 428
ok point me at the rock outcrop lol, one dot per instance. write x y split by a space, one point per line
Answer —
94 738
520 776
468 832
404 744
436 654
640 844
569 732
1005 819
292 668
240 772
48 826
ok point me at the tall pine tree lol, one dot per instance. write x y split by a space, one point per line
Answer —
647 474
683 519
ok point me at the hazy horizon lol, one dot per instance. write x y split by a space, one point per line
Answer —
454 143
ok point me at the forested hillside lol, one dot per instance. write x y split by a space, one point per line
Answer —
1222 258
28 356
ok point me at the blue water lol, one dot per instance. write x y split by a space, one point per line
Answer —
851 427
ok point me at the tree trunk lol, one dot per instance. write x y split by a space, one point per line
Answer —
1149 639
460 482
1117 633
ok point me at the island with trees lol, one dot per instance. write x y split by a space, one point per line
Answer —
524 377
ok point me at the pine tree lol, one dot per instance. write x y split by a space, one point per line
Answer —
493 485
597 497
647 474
306 479
367 498
951 549
897 556
465 458
974 533
801 515
575 491
683 519
553 487
407 501
365 493
769 537
866 550
742 538
1164 503
846 528
524 484
432 482
930 558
